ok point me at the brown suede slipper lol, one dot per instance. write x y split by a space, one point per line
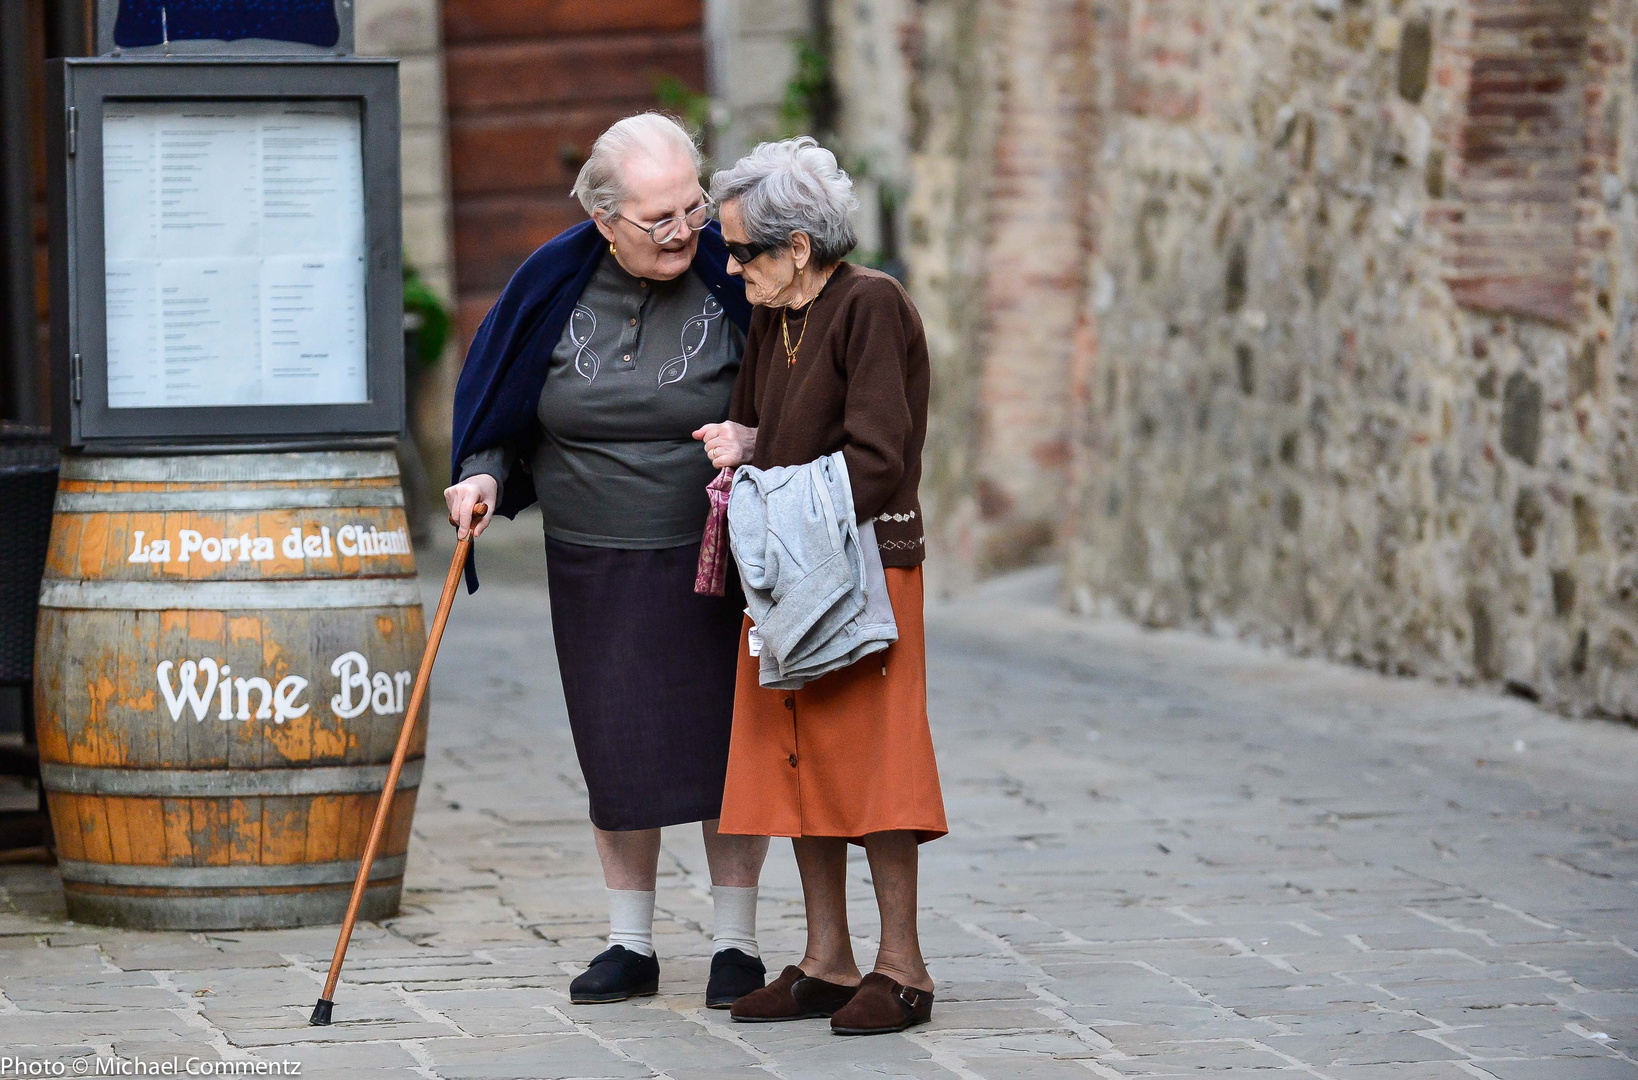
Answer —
792 996
882 1006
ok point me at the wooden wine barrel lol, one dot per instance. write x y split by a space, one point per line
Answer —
225 648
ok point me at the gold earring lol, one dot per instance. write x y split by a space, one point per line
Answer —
611 248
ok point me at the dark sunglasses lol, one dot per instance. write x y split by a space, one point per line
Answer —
744 253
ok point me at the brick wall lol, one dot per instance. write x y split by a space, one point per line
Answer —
1164 50
1037 244
950 52
1000 126
1513 221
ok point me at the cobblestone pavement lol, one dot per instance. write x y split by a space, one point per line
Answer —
1170 856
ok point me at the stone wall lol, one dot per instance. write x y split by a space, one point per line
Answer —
410 30
995 104
950 54
1310 321
751 47
872 119
1362 301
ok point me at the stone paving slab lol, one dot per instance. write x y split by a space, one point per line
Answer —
1170 856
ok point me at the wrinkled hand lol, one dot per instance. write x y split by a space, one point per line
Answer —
728 445
466 495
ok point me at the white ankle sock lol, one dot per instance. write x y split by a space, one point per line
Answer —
735 910
631 920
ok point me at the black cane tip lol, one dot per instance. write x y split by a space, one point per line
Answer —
321 1013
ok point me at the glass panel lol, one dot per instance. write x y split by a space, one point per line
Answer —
234 253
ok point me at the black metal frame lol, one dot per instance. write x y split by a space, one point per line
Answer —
19 382
24 828
78 89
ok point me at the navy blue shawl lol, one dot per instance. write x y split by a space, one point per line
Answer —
499 388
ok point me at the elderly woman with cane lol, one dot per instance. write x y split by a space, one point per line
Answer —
611 345
835 360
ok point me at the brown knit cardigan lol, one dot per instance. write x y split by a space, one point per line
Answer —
859 385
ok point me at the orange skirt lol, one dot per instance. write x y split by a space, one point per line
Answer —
847 755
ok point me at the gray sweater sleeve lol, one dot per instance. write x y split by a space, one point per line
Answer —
495 461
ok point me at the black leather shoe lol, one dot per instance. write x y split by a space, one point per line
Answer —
733 975
616 974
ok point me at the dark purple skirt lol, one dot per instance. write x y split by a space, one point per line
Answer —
648 671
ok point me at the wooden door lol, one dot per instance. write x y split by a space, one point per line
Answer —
531 83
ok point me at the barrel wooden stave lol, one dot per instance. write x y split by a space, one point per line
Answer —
96 546
170 820
105 708
300 835
256 909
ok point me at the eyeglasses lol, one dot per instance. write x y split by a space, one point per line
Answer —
744 253
668 229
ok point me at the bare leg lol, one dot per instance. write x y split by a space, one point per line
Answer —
822 861
631 860
893 867
735 861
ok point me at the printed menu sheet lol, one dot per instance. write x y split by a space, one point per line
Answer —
235 261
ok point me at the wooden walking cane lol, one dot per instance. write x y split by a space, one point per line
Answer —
326 1006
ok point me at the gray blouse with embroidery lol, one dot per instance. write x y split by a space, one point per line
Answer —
641 365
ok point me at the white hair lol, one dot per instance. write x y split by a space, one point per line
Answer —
789 187
601 186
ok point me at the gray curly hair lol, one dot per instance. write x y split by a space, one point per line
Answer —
788 187
601 186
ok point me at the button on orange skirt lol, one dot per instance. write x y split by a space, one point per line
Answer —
847 755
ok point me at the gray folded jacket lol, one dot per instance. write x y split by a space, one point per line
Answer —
813 578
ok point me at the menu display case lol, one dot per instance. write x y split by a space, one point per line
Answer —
228 242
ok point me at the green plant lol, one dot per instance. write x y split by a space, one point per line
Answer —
689 105
810 95
422 303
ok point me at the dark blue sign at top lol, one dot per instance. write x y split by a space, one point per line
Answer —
153 22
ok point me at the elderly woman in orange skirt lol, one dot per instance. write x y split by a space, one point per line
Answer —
835 360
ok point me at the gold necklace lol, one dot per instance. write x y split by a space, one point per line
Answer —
785 331
785 325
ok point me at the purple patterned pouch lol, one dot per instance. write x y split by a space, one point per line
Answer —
712 578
